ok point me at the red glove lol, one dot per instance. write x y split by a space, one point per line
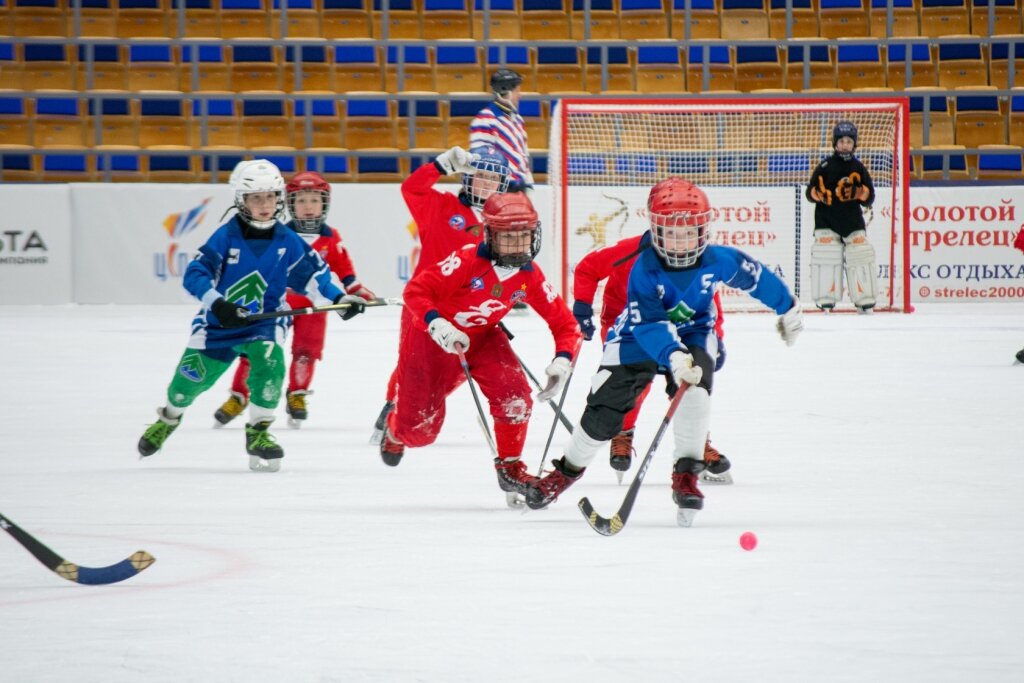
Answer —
1019 242
357 289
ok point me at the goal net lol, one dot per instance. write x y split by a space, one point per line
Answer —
753 158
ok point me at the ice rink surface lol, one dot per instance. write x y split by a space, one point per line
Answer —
879 461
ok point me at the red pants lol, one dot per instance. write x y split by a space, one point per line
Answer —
308 333
426 375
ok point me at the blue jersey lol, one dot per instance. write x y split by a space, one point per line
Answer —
255 274
668 310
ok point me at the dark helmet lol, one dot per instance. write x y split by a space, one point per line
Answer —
504 81
844 129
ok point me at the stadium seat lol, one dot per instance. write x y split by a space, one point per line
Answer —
559 69
790 167
757 67
460 114
820 69
513 57
345 19
333 163
643 20
1007 17
659 69
620 71
744 19
992 166
932 164
205 65
978 121
944 18
112 121
18 164
202 19
98 19
39 18
68 165
430 129
381 169
905 21
323 125
244 19
418 72
545 20
403 20
999 63
860 66
721 75
961 65
843 19
47 66
222 126
535 124
504 21
459 68
1015 123
705 22
285 158
804 19
316 72
923 72
152 67
302 19
59 120
162 166
163 122
118 163
10 68
940 120
604 20
265 123
144 19
370 123
108 67
255 67
539 165
218 161
446 19
15 127
357 67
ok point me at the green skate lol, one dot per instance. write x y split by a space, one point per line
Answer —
153 439
264 453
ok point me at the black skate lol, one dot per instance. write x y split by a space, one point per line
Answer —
622 453
153 438
685 493
391 451
514 480
264 452
1020 356
542 492
382 422
716 466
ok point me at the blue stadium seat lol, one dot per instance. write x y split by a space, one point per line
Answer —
59 121
255 67
333 164
860 66
346 19
1016 120
999 63
446 19
68 166
357 67
559 69
923 72
403 20
505 23
163 122
804 19
944 18
317 72
461 113
223 128
108 67
14 120
18 164
643 20
843 19
244 19
430 129
705 22
721 74
604 20
418 72
265 123
758 67
992 166
939 129
170 168
97 19
324 125
212 68
546 20
47 66
822 70
905 21
153 67
144 19
931 164
113 122
118 163
1007 17
369 124
978 121
512 57
218 164
459 69
961 65
303 19
621 75
744 19
381 169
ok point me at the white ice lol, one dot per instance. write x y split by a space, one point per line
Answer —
878 461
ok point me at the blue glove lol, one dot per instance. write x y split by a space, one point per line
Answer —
720 361
584 314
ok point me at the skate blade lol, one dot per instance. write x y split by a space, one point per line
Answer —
258 464
515 501
619 475
377 437
684 517
295 424
723 479
217 424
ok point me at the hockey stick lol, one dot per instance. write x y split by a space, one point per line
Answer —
561 402
125 569
610 527
476 400
561 416
319 309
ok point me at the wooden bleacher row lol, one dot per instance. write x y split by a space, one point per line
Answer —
508 19
655 67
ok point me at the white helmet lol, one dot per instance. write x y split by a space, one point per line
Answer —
250 177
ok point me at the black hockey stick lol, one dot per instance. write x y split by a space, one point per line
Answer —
319 309
561 402
610 527
476 399
125 569
561 416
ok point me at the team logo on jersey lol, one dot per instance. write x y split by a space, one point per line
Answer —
681 314
174 261
476 284
192 367
457 222
497 289
518 295
248 292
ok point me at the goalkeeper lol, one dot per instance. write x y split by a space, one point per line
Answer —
840 186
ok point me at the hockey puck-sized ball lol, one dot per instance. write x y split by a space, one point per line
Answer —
748 541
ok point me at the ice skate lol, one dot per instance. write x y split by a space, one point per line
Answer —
155 435
231 409
391 450
716 466
622 453
381 423
1020 356
542 492
295 406
514 480
685 493
264 452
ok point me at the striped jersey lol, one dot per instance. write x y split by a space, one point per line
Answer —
503 129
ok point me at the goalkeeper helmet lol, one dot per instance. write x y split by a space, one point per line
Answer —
306 189
258 177
492 176
680 219
845 129
511 229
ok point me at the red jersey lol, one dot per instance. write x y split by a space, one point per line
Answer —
601 264
444 223
332 251
466 289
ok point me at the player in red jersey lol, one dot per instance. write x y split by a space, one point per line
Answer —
308 197
460 301
446 222
614 263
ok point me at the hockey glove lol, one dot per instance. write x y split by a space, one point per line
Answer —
447 335
557 373
457 160
820 194
720 358
358 289
584 314
845 189
230 315
791 324
683 369
356 305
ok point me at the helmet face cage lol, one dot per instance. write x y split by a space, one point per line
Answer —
680 237
254 178
492 176
844 129
515 259
310 226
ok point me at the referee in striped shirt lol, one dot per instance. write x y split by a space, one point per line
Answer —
500 126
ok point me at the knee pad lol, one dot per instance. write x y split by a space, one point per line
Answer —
860 270
827 269
691 422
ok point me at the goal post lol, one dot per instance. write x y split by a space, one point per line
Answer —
752 156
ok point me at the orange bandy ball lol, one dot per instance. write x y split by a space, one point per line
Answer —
748 541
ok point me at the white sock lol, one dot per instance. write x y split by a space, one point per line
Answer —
581 448
690 424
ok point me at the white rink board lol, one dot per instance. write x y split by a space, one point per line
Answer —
35 244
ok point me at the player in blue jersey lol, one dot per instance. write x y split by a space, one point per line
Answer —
244 268
668 326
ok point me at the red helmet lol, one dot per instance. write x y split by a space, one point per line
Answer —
506 213
678 203
308 181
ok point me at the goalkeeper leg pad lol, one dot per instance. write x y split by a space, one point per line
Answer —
860 271
827 269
